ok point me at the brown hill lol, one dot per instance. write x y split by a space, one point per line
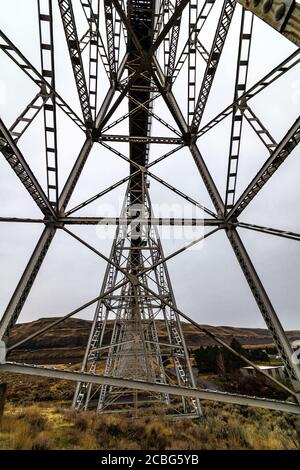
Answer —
66 342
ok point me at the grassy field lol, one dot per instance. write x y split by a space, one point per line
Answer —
49 426
38 416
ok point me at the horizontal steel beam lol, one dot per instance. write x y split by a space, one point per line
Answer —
23 220
144 221
204 394
176 221
140 139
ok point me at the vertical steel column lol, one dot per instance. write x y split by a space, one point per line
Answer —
192 59
238 110
48 73
93 20
213 61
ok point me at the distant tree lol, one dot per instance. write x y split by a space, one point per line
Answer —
231 361
205 358
272 350
200 357
219 360
257 355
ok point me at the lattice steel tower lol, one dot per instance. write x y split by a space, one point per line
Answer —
142 47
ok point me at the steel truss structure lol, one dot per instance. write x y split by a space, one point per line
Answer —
143 47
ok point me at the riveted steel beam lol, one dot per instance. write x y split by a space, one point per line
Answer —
22 290
282 15
10 49
68 20
204 394
45 15
213 61
16 160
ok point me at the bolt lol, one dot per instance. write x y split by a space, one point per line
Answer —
279 13
267 6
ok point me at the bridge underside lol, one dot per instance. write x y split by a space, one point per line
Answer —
140 366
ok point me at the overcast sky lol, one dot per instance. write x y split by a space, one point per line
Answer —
208 282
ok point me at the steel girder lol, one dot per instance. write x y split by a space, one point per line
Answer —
270 231
20 60
153 221
14 157
180 6
238 111
266 308
174 35
140 139
95 38
82 157
27 116
222 397
49 108
160 221
213 61
284 16
194 33
108 9
261 131
192 60
69 25
94 35
19 296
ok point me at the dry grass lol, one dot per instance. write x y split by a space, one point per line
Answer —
41 427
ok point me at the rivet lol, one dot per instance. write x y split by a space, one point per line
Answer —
267 6
280 12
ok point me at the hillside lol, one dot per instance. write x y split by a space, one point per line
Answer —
67 341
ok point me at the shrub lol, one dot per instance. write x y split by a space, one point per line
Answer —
20 439
81 422
156 436
42 441
37 422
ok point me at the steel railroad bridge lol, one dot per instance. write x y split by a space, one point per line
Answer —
141 47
